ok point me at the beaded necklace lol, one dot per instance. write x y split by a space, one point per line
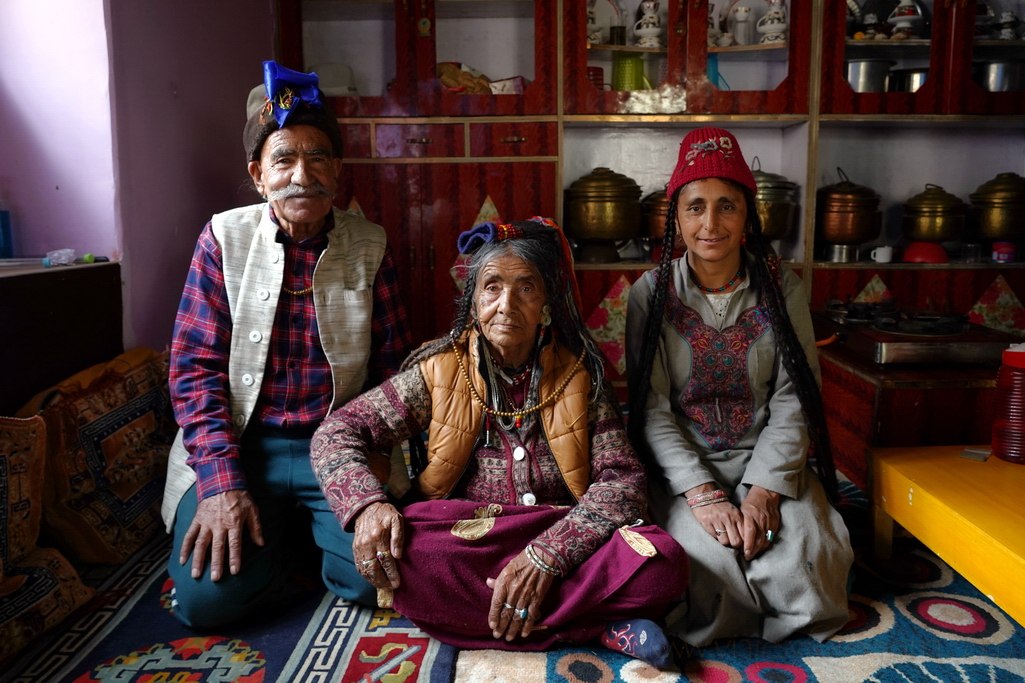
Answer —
716 290
522 412
298 292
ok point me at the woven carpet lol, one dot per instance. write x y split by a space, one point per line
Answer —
914 620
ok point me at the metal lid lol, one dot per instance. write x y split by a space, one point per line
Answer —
604 184
846 192
1005 188
770 181
934 200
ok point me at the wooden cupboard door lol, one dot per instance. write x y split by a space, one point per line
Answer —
356 140
755 78
932 53
388 194
514 139
518 190
972 91
456 32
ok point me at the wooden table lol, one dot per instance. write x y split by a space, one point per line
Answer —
970 513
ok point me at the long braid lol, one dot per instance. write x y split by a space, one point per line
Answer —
795 360
640 383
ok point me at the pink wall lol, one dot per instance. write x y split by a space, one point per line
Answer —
181 71
57 175
122 130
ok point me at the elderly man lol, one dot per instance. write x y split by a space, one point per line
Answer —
289 309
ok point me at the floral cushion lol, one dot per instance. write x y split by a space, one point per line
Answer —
22 460
109 430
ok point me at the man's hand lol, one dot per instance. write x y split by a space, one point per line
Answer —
219 519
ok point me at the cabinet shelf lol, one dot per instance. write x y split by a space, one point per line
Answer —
900 265
629 49
775 52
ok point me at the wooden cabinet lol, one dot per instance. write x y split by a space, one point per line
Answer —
427 191
422 159
398 49
953 44
59 321
689 72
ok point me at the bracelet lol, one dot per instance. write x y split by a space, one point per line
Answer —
707 502
707 497
539 563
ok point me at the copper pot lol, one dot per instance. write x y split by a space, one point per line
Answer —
998 208
934 215
655 208
846 213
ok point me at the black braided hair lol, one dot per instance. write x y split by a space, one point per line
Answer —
541 249
770 292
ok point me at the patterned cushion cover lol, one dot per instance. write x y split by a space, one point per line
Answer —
109 431
38 588
22 459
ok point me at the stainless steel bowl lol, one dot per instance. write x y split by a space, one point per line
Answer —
1001 76
906 80
868 75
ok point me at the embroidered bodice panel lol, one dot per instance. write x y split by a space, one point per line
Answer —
718 399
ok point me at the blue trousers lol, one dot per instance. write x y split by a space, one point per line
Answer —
279 478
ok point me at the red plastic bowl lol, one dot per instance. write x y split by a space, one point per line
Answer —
925 252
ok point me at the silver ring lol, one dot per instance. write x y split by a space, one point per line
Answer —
520 613
508 606
367 563
770 536
720 532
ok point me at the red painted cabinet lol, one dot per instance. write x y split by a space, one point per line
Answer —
955 47
427 57
693 69
426 192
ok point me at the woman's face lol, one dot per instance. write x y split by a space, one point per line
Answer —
507 301
712 217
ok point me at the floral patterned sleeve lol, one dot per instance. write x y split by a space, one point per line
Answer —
617 495
370 423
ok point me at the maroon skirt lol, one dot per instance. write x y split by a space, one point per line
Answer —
444 589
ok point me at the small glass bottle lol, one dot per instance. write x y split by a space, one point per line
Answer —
1009 409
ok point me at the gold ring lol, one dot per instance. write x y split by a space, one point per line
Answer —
367 563
383 555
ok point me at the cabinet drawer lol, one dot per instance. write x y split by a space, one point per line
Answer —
513 139
419 140
356 139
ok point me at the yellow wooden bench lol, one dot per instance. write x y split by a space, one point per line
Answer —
970 513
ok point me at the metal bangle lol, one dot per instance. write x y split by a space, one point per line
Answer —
539 563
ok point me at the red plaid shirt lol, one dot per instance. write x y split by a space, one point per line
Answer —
297 387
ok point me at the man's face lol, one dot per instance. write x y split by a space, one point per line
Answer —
298 173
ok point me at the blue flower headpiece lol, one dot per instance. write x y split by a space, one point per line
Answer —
287 89
483 233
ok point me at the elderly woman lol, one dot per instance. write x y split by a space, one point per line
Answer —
725 398
529 529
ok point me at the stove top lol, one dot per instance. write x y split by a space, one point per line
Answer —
884 334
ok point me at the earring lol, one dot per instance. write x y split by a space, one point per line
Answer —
546 315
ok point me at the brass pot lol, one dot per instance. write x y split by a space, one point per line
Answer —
776 203
934 215
602 207
655 208
998 208
846 213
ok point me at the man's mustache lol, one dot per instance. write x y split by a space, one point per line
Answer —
314 190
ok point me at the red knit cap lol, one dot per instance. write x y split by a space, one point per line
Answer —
710 153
